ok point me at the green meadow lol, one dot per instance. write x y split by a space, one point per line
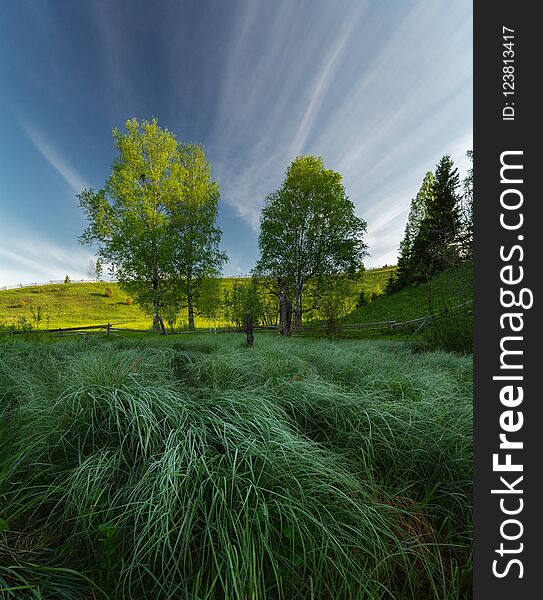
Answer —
449 289
77 304
166 467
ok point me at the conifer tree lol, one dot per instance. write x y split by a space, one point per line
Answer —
436 246
466 213
403 275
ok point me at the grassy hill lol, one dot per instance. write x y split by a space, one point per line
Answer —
450 288
75 304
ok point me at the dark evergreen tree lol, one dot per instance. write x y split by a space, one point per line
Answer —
466 213
436 246
403 275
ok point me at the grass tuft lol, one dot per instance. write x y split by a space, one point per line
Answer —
299 469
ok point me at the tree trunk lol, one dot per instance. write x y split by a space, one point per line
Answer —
190 303
283 329
156 315
298 308
285 311
289 315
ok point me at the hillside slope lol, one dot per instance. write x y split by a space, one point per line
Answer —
77 304
451 288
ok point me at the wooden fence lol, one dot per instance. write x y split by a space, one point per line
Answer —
59 281
51 282
376 326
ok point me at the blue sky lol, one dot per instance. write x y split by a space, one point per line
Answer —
379 89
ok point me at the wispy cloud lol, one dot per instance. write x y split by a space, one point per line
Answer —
379 89
112 27
380 94
74 180
27 256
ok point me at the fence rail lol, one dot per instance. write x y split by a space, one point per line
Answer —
59 281
371 326
51 282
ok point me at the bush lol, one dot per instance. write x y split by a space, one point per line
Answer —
20 304
362 300
67 279
108 292
451 330
376 292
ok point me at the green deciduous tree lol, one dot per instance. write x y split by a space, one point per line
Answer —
334 297
154 220
308 228
241 301
197 256
130 218
208 300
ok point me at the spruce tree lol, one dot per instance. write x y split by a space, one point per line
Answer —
403 275
436 246
466 212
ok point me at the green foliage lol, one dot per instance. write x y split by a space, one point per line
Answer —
362 300
197 257
194 468
450 329
130 217
67 279
435 247
243 300
308 228
154 221
376 292
439 230
209 301
334 297
38 316
406 271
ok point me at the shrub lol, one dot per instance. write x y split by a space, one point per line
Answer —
376 292
451 330
67 279
23 324
108 292
20 304
362 300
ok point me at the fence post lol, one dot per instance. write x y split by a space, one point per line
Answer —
249 330
108 328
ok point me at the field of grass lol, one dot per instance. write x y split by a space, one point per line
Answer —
196 468
451 288
77 304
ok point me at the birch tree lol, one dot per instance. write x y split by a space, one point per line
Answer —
308 228
130 219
